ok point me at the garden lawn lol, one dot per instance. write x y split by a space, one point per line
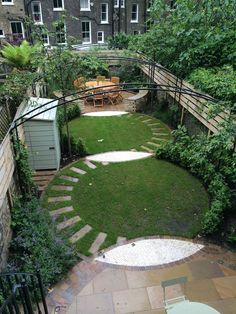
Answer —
133 199
126 132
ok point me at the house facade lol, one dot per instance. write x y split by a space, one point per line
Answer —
12 13
88 21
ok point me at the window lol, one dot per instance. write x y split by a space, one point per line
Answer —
118 3
60 34
58 5
2 33
17 30
45 39
104 13
100 37
37 12
136 32
86 32
7 2
84 5
134 13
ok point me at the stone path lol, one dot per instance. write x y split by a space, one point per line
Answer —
78 170
80 234
89 164
151 151
68 222
153 144
97 242
61 211
68 178
62 188
55 199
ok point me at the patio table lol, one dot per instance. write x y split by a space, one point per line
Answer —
95 83
192 308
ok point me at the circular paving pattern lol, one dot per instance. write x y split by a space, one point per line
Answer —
150 252
118 156
105 113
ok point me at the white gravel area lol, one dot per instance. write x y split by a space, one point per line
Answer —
151 252
118 156
105 113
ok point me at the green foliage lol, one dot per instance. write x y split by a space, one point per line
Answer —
232 238
77 145
72 112
211 159
89 66
195 34
20 56
119 41
219 82
36 243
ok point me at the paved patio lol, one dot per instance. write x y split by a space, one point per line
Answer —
92 287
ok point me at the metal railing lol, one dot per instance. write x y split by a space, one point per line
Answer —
22 293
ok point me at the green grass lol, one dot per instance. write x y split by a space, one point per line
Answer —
116 133
133 199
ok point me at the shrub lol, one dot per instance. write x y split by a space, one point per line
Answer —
72 111
36 243
77 146
119 41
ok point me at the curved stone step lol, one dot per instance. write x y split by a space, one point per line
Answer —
159 139
146 121
89 164
55 199
68 178
153 144
68 222
61 210
97 242
78 170
147 149
62 188
158 134
80 234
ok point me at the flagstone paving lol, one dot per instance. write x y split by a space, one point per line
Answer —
93 288
59 199
98 242
71 179
90 164
61 211
68 222
78 170
62 188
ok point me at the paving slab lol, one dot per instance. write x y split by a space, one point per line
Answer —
80 234
146 121
68 222
55 199
62 188
147 149
89 164
98 242
201 291
121 240
78 170
157 134
71 179
205 269
153 144
61 210
226 287
95 304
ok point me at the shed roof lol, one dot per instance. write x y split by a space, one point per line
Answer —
33 103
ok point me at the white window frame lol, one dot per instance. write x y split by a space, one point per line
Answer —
62 8
40 9
65 42
86 9
100 41
90 33
136 20
48 42
22 27
9 2
104 21
118 3
3 34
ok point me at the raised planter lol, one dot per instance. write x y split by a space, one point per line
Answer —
136 102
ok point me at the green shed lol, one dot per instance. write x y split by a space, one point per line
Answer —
42 135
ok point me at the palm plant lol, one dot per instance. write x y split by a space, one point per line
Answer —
19 56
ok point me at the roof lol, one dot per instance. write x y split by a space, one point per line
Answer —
33 104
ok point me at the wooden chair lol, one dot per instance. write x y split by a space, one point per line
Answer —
169 303
98 100
113 98
100 78
79 83
115 79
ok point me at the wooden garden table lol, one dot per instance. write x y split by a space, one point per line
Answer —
95 83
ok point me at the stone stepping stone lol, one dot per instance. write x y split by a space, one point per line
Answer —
80 234
90 164
157 134
147 149
59 199
148 120
121 240
78 170
153 124
105 163
153 144
98 242
61 210
141 117
71 179
68 222
159 139
62 188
